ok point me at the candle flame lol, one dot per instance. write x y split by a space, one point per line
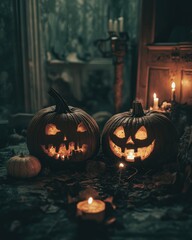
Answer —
90 200
154 95
121 165
173 85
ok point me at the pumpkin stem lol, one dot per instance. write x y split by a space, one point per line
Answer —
61 104
137 109
21 155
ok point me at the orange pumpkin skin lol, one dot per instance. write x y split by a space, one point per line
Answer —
62 134
21 166
140 138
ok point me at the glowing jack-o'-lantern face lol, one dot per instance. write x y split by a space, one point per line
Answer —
140 137
61 132
131 146
62 143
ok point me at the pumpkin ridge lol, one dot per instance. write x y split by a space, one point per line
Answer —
35 120
92 127
35 129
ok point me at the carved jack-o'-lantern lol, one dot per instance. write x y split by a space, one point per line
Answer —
137 137
63 143
62 133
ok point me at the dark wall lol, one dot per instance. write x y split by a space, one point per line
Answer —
10 91
173 21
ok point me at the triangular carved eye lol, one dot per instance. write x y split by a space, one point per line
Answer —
141 133
81 127
51 129
119 132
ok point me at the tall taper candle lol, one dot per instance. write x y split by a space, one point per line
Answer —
121 24
173 85
110 25
115 26
155 102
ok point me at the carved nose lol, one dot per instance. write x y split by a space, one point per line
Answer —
129 140
65 138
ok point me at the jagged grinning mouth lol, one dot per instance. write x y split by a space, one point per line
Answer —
63 151
129 154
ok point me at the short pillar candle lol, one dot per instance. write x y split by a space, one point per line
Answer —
91 209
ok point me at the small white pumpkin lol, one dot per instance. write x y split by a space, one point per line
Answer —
21 166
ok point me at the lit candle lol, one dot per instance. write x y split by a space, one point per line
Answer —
155 102
110 25
115 26
91 209
173 85
121 23
121 166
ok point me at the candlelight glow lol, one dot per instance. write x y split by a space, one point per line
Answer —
91 209
51 129
90 200
173 85
121 165
155 102
130 155
64 151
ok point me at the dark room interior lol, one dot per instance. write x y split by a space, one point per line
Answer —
95 119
